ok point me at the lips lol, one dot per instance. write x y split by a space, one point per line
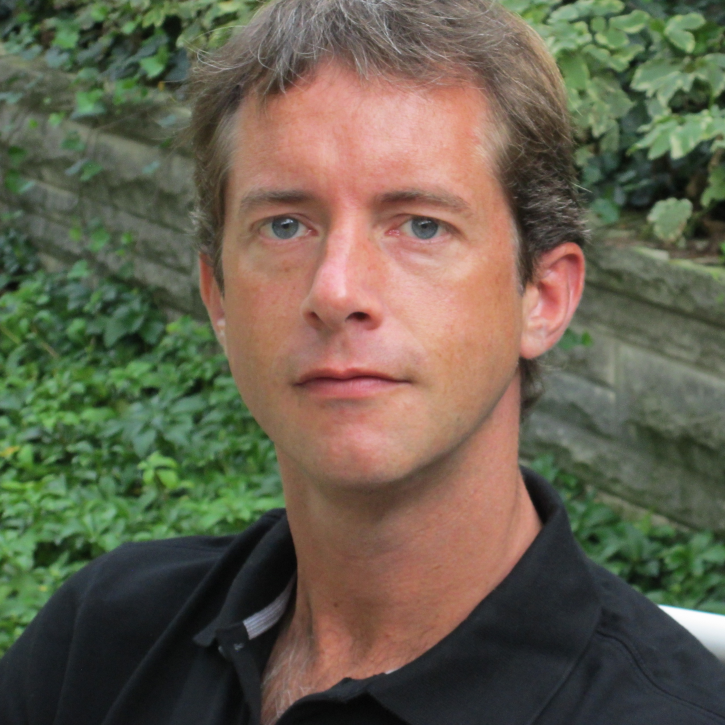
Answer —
342 375
349 383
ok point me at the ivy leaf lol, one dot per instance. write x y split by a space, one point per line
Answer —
73 142
99 12
67 34
114 329
516 6
17 155
715 190
75 168
89 170
587 9
634 22
142 442
669 218
575 70
229 7
571 339
567 36
169 478
10 97
711 70
99 238
155 65
75 233
151 167
603 7
55 119
612 38
686 137
608 103
606 210
678 27
662 77
15 183
566 13
88 103
657 139
156 15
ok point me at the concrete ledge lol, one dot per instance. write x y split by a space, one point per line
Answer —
643 274
631 474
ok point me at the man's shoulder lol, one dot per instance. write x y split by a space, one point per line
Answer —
651 663
131 594
154 570
101 624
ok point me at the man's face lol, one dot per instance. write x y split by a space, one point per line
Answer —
372 315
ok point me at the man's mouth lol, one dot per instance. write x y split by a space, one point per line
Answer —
348 382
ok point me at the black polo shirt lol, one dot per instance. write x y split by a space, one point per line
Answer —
177 632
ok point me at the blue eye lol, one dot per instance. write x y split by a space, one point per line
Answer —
424 228
285 227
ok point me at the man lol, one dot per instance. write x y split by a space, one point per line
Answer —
390 236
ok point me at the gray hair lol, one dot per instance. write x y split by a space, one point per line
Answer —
421 42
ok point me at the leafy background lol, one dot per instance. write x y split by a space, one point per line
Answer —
117 425
645 80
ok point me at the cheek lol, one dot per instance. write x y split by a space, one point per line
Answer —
255 325
478 325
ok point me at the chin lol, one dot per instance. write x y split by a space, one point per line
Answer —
363 468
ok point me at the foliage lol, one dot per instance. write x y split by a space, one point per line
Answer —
670 566
124 42
645 83
113 427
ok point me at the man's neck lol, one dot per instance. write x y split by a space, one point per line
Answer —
385 575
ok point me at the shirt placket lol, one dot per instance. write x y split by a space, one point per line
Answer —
234 645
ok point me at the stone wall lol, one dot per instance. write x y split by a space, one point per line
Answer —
639 414
145 187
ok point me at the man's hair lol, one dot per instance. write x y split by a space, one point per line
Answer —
419 42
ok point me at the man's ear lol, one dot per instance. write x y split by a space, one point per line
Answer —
551 298
213 299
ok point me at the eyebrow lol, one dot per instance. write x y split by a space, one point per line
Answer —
263 197
440 200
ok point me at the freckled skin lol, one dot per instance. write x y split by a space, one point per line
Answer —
358 289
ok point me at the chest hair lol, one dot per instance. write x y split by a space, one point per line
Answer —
287 676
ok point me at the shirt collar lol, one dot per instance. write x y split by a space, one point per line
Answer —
501 665
260 592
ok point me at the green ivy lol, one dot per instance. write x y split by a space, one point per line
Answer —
645 83
119 45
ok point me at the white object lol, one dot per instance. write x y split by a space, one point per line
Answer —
708 628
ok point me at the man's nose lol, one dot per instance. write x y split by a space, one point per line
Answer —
346 284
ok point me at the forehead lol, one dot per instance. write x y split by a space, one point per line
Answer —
379 126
